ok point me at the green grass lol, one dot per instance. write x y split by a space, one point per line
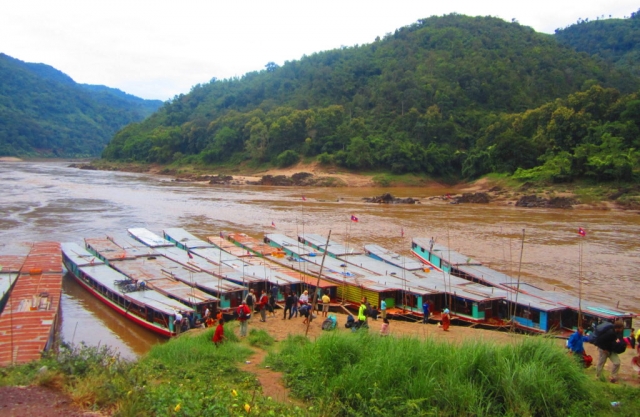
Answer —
362 374
345 374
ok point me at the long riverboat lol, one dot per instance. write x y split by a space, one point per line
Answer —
143 263
530 300
138 303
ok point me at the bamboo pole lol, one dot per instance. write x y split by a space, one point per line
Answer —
315 293
515 304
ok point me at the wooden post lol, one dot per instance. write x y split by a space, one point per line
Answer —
315 293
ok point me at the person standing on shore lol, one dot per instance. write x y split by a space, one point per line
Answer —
218 336
243 315
294 307
446 320
610 344
362 313
262 305
326 300
425 311
288 304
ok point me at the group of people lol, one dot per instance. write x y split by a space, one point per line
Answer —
609 340
185 320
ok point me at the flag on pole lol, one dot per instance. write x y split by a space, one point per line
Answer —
582 232
273 224
354 218
304 198
190 255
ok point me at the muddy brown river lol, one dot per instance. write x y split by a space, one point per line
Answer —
50 201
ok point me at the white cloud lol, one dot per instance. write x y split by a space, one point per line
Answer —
157 49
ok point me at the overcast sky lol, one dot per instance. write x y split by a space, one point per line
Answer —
157 49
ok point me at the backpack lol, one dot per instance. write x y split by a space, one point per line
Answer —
599 330
249 300
350 321
328 324
242 314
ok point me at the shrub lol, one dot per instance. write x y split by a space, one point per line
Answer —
287 158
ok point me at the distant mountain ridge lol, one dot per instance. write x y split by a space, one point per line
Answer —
448 96
43 112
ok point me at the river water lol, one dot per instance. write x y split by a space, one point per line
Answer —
50 201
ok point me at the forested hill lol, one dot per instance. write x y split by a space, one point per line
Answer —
615 40
43 112
442 96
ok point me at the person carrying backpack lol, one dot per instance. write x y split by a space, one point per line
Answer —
262 305
250 300
244 313
608 340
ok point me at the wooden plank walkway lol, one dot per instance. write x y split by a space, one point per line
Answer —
28 322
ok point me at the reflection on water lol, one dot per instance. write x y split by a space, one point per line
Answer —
48 200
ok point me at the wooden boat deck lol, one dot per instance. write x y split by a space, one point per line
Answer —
27 324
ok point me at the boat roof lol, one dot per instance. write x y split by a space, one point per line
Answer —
109 277
571 301
132 248
373 265
79 255
447 255
162 274
251 243
44 258
225 245
401 261
333 247
488 275
185 238
290 244
215 255
148 237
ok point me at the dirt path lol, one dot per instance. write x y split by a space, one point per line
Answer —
270 380
38 401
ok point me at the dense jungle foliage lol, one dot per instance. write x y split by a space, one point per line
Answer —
615 40
43 112
450 96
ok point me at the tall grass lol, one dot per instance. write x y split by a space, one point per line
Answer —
362 374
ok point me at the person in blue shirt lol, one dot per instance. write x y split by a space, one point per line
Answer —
425 311
576 342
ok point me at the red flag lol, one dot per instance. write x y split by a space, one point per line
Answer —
273 224
582 232
304 198
190 255
354 218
